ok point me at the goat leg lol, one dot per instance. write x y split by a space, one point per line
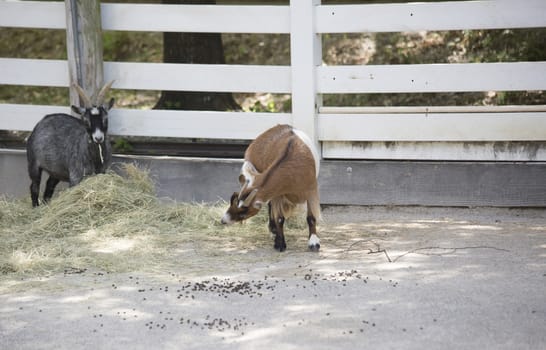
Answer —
35 177
50 188
313 211
34 192
75 177
314 241
272 226
280 243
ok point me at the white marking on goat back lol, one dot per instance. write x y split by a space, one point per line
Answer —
246 170
95 111
303 136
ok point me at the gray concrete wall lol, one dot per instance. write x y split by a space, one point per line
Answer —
341 182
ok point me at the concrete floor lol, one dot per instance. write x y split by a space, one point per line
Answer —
385 278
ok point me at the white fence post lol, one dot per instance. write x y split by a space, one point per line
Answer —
306 55
84 47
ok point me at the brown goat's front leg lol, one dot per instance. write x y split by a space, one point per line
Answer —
280 243
276 227
272 225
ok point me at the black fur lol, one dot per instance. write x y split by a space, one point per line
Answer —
62 145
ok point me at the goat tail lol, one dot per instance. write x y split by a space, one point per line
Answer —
313 206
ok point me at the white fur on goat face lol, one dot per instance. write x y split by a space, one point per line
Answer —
96 119
226 219
98 136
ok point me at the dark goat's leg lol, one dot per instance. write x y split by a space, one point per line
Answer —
35 178
50 188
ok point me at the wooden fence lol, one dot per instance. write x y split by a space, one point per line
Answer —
419 132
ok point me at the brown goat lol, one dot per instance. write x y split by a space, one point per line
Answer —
281 169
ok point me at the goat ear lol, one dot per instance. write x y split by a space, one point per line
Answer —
243 189
258 205
79 110
249 170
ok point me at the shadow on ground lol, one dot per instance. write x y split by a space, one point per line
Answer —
408 278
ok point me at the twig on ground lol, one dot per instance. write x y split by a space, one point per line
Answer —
447 250
377 250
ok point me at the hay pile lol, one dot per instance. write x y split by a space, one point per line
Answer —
115 223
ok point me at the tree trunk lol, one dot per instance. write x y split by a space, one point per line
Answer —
204 48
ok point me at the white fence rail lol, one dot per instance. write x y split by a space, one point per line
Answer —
453 77
413 17
305 79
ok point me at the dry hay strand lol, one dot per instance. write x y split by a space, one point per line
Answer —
116 223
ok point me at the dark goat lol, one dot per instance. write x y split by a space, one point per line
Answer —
68 148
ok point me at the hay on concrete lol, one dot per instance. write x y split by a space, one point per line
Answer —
116 223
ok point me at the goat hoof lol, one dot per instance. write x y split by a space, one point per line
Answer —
314 243
281 247
314 247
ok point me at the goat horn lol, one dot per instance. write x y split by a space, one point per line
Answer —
250 198
243 188
103 91
86 101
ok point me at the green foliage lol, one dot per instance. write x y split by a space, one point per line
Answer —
132 46
274 49
38 95
506 45
33 43
122 145
260 107
416 48
172 105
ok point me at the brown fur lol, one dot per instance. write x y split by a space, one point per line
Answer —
292 177
285 176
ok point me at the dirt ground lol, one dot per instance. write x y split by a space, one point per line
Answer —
409 278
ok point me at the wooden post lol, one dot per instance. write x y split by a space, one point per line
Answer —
306 55
84 47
